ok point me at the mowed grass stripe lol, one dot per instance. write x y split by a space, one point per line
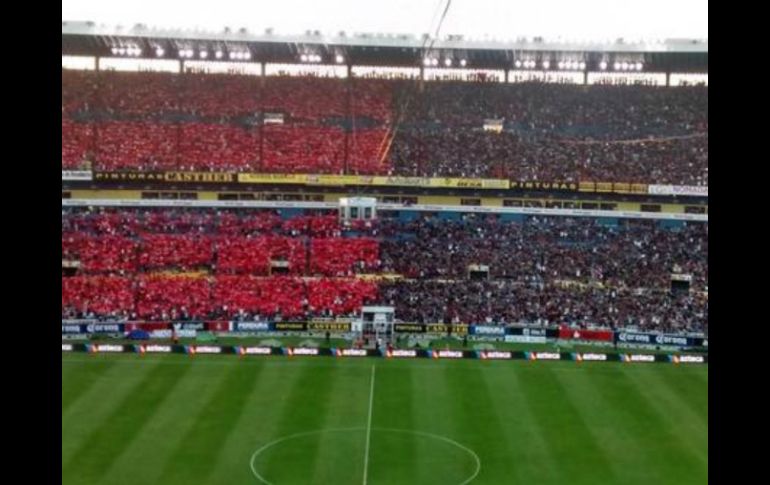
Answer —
392 456
257 423
532 457
609 411
115 433
195 456
339 458
154 445
685 433
304 408
77 380
92 407
475 418
689 389
564 427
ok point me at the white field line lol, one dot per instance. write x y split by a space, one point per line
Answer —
369 428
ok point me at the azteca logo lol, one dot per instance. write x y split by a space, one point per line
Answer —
350 352
301 351
543 356
400 353
447 354
493 354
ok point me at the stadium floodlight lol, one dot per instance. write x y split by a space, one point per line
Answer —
218 54
582 65
434 62
463 62
560 65
638 66
303 58
318 58
122 51
114 51
531 64
447 62
339 59
546 64
616 66
203 54
159 51
247 55
232 55
517 63
603 65
624 66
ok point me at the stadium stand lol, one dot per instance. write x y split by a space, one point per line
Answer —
546 270
551 132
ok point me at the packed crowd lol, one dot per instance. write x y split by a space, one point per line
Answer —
473 152
206 263
550 132
504 301
186 297
540 109
555 133
135 241
161 121
633 254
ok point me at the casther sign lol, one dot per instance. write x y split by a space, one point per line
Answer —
658 339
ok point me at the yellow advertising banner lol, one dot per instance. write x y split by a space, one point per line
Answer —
336 180
463 183
614 187
199 177
271 178
563 186
372 180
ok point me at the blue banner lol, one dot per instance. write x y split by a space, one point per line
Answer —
251 327
92 328
658 339
491 330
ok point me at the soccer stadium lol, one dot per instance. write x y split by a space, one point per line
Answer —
373 258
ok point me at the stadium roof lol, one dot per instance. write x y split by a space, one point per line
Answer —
88 38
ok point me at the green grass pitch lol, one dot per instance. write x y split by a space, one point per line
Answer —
225 420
